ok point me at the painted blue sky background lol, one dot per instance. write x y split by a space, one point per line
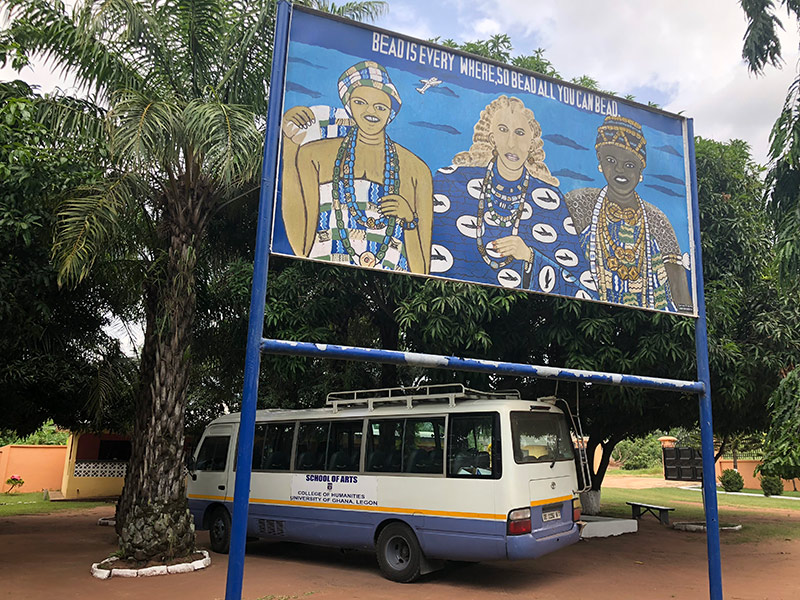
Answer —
438 124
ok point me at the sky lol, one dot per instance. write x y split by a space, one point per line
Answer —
684 55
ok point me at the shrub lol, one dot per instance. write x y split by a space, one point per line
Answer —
14 481
638 453
731 480
772 485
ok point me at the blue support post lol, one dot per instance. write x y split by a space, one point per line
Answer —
704 375
269 178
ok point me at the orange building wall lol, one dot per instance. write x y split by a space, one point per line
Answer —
746 468
41 467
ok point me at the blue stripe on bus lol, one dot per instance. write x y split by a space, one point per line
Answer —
439 537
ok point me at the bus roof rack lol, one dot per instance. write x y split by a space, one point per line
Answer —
447 392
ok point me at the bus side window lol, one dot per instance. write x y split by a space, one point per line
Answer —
311 445
384 446
422 445
259 450
344 445
473 446
278 446
213 453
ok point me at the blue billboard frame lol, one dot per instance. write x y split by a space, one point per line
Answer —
537 185
256 344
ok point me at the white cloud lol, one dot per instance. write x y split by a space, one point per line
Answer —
487 27
43 77
405 18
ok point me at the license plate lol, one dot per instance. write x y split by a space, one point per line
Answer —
552 515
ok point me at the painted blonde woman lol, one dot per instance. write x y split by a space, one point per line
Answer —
361 199
500 217
634 254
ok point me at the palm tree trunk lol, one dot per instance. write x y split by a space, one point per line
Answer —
153 519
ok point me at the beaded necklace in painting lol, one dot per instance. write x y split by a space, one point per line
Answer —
627 263
493 196
343 172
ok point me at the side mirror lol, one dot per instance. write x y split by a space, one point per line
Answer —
190 466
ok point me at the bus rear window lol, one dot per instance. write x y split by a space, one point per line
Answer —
540 437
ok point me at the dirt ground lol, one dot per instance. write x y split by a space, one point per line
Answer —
49 556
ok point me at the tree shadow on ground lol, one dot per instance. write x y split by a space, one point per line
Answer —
510 576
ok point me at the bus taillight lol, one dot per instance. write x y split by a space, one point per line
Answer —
519 521
576 510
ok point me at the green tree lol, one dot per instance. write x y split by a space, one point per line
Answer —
762 48
753 323
782 444
368 10
639 453
47 435
390 311
184 86
54 355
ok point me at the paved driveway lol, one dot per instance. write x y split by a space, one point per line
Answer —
45 557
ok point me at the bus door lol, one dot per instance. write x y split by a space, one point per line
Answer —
212 465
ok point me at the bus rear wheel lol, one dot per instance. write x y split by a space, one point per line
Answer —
219 530
399 554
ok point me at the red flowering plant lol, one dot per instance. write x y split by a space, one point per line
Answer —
14 481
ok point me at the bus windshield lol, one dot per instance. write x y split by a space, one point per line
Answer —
540 437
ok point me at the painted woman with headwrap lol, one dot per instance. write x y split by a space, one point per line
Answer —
360 199
631 245
500 217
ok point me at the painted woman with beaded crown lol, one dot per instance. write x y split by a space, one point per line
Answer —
500 218
634 254
361 199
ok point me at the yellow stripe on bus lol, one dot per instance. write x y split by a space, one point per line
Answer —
551 500
409 511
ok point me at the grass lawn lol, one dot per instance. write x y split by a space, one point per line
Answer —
649 472
758 492
32 503
756 523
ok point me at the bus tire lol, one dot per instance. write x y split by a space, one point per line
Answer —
399 554
219 530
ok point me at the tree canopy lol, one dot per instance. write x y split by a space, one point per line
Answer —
782 444
55 359
762 48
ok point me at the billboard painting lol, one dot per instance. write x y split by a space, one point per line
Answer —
402 155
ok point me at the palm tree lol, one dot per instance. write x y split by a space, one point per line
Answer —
762 48
360 11
178 89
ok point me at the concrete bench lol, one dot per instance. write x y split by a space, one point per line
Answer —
638 509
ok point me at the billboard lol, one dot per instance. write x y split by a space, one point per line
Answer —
402 155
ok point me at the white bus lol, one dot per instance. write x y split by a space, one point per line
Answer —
419 475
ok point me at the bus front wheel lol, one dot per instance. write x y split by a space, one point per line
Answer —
399 554
220 530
